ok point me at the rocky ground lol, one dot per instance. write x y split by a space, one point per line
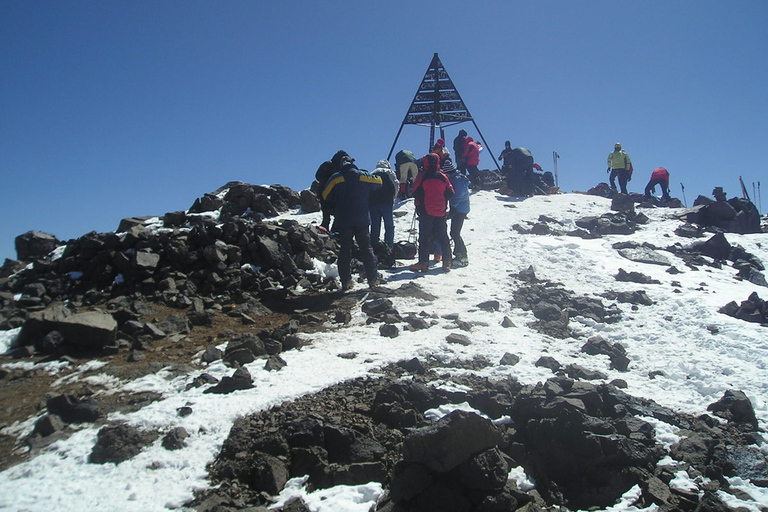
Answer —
167 297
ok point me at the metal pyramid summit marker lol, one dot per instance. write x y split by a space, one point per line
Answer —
437 104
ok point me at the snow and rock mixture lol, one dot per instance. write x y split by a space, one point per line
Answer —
592 355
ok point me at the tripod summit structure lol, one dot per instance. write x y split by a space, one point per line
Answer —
437 104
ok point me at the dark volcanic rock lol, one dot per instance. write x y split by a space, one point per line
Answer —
118 443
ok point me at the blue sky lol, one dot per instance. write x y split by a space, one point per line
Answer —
131 108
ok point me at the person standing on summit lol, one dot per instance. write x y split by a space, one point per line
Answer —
348 192
459 146
619 165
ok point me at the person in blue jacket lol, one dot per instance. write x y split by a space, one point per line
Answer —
459 210
348 191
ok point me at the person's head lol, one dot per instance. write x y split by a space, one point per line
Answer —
462 133
336 158
617 146
507 144
440 142
431 162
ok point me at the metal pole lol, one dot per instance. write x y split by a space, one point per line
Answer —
685 203
555 156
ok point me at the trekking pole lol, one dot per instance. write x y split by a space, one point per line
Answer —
555 156
684 201
759 199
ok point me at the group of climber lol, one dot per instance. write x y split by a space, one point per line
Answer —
360 202
620 166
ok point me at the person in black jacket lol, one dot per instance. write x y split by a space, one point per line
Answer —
348 191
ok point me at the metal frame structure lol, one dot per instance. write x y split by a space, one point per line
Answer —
438 104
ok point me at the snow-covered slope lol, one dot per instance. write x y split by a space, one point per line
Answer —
699 351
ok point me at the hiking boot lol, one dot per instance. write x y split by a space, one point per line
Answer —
438 258
377 281
420 267
447 266
348 285
460 261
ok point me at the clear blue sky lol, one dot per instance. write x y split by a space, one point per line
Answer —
111 109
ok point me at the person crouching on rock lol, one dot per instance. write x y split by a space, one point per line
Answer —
659 176
349 191
431 191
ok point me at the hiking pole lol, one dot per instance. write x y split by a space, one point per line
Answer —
555 156
759 199
684 201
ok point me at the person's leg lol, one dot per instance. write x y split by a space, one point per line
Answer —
441 232
649 189
345 255
623 179
366 253
389 225
375 212
612 179
425 237
457 222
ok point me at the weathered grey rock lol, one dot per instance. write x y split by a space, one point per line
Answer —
509 359
450 441
309 201
389 331
90 330
643 254
118 443
175 439
459 339
275 363
34 244
74 410
735 406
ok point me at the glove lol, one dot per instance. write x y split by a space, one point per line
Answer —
608 170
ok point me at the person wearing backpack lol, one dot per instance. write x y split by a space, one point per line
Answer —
381 203
348 191
431 191
459 210
619 165
407 169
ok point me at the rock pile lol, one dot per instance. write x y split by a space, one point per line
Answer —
583 444
221 251
735 215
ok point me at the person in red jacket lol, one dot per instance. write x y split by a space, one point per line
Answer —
472 160
659 176
431 191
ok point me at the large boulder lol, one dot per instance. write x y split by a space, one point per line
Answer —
89 331
34 244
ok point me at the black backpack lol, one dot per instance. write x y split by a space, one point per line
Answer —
404 250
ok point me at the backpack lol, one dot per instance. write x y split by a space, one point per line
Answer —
384 255
404 250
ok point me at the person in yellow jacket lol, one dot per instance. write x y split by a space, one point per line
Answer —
619 165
